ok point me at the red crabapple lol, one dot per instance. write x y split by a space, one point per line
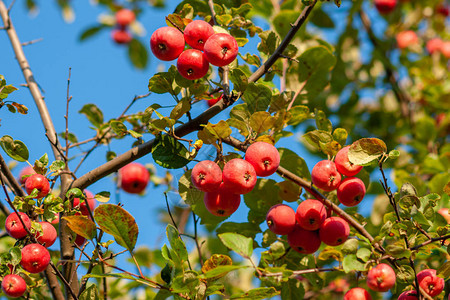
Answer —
39 182
167 43
357 294
430 282
351 191
445 213
239 176
343 165
134 178
221 49
25 171
303 241
213 101
381 278
404 40
79 240
48 235
311 214
222 203
434 45
192 64
445 49
35 258
325 176
334 231
443 9
408 295
125 17
281 219
206 176
385 6
82 206
264 157
121 36
14 227
14 286
197 33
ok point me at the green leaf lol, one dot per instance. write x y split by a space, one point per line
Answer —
246 229
169 153
74 193
93 114
294 163
258 293
185 283
340 135
14 148
351 263
90 293
322 122
363 254
57 165
134 134
180 109
257 97
316 138
263 196
90 32
350 246
118 127
444 270
366 150
239 80
220 130
238 243
224 19
82 225
299 113
161 83
176 242
103 197
394 154
405 273
16 256
220 271
292 290
116 221
269 41
138 54
321 19
261 121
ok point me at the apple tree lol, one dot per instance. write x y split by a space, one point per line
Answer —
359 212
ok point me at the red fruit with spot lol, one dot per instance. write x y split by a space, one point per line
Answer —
134 178
35 258
311 214
221 49
408 295
357 294
264 157
351 191
303 241
14 227
24 172
192 64
381 278
197 33
325 176
222 203
14 286
430 282
404 40
125 17
281 219
334 231
121 36
167 43
343 165
48 235
239 176
39 182
82 206
206 176
434 45
385 6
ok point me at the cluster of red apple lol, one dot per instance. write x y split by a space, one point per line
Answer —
219 49
409 38
382 278
223 188
124 17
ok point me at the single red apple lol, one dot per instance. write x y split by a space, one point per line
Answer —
264 157
222 202
125 17
343 165
434 45
221 49
197 33
213 101
48 235
385 6
192 64
133 178
381 278
351 191
35 258
14 286
445 49
82 206
325 176
334 231
357 294
24 172
404 40
281 219
14 227
167 43
408 295
310 214
303 241
39 182
239 176
430 282
121 36
206 176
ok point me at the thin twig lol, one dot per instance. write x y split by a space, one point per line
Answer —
31 42
66 117
301 272
168 210
199 251
213 11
